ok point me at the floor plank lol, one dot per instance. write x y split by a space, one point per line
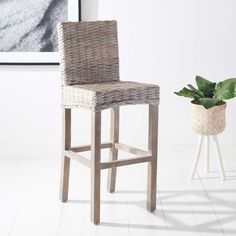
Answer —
12 199
141 221
71 222
29 203
222 195
179 214
7 175
40 210
206 218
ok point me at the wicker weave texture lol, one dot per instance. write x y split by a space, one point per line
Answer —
88 52
97 97
89 66
208 121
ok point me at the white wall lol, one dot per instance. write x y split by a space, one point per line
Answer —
166 42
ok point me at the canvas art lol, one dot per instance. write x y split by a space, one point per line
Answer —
28 28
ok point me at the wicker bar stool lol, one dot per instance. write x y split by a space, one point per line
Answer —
89 67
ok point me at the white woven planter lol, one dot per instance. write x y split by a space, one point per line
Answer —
208 121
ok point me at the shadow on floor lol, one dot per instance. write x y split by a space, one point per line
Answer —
172 216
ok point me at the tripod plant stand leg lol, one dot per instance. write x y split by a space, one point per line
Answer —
196 160
207 153
220 162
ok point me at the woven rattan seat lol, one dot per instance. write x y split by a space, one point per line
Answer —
89 65
101 96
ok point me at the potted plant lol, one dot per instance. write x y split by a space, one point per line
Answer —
208 105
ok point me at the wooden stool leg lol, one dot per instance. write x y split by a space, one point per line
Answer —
114 138
66 145
152 166
95 167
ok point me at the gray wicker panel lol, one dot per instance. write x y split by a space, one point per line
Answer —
88 52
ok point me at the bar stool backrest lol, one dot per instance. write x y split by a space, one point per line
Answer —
88 52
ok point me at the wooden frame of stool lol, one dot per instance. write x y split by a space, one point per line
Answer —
95 163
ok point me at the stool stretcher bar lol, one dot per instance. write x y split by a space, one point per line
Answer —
76 157
124 162
86 148
143 156
132 150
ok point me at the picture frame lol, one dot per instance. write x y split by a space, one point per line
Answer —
41 58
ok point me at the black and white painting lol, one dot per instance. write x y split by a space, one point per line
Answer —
28 28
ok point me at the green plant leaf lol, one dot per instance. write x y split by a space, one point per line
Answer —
201 94
226 89
205 86
208 102
185 92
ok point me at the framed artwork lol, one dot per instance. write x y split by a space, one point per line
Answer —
28 29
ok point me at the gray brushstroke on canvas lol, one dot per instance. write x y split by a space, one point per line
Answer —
30 25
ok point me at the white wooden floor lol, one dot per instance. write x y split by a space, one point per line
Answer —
29 204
